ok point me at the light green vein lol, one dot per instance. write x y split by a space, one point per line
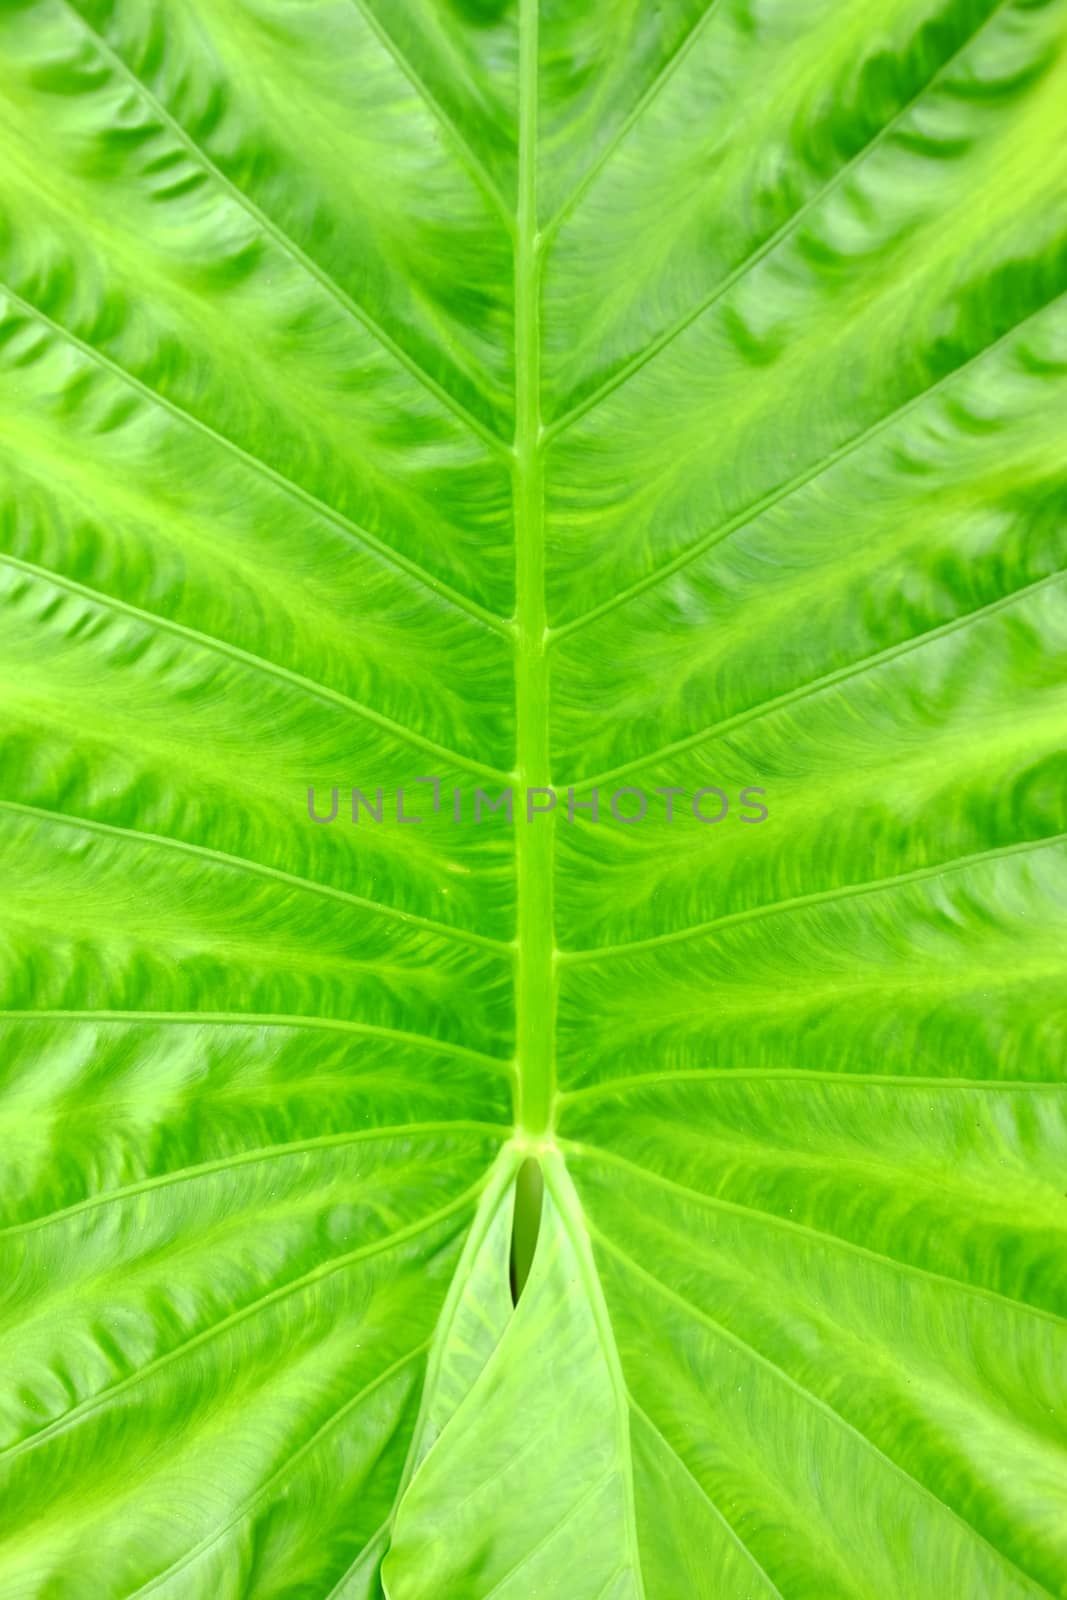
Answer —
826 1240
251 1158
534 840
475 166
288 244
546 1539
720 1517
558 1183
643 357
755 508
433 585
239 864
261 1019
717 1079
217 646
655 88
818 897
752 1354
283 1472
815 686
325 1269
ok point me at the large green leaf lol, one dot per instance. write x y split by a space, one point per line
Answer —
607 394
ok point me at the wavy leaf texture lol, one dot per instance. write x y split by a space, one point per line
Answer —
631 398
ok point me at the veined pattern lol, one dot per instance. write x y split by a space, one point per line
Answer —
661 395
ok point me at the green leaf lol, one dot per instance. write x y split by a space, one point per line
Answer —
658 402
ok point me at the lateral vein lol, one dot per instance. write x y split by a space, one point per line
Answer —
821 1237
325 1269
255 663
259 1019
259 869
847 891
750 1352
247 1158
434 586
643 357
720 1516
578 1229
655 88
283 1471
815 686
800 480
473 162
288 244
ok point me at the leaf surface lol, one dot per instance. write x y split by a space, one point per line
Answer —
637 400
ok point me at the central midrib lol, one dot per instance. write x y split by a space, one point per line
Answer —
535 1000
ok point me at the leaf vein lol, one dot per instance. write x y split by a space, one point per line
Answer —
655 88
819 1235
643 357
783 491
475 166
577 1227
260 1019
818 897
287 486
563 1521
246 1158
720 1516
256 663
259 869
751 1353
289 245
282 1473
324 1270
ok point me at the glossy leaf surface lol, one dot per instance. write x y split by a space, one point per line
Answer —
629 395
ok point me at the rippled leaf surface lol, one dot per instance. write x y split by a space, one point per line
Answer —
624 394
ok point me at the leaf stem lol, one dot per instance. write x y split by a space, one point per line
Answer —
535 979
